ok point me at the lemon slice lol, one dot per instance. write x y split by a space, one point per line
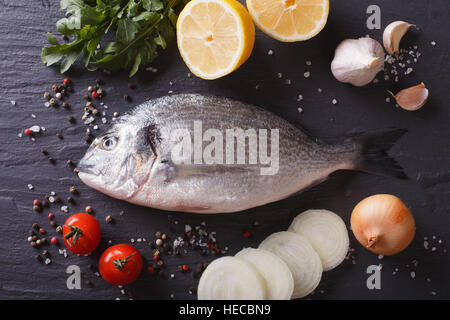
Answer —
214 37
289 20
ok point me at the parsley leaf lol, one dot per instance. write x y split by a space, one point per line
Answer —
138 28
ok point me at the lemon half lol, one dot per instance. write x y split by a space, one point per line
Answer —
215 37
289 20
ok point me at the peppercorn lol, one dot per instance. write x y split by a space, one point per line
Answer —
91 267
42 231
246 234
34 238
66 105
51 160
99 81
45 204
27 132
46 254
54 87
69 162
52 102
63 91
37 208
100 92
43 240
53 224
59 135
94 94
73 190
65 38
161 273
159 242
90 88
58 95
163 236
57 199
76 171
130 85
47 95
89 283
86 97
151 270
66 81
89 209
33 244
36 202
126 97
38 242
158 234
38 258
70 200
108 219
71 119
94 111
115 114
50 216
59 229
160 263
185 267
54 240
45 152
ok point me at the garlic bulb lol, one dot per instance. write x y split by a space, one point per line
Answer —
357 61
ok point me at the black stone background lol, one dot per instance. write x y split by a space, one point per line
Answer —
424 153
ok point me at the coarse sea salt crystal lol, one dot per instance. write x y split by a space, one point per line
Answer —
270 52
307 74
30 186
35 128
104 120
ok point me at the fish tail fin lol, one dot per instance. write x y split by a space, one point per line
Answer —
374 153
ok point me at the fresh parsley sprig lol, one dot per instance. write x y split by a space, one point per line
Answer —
136 27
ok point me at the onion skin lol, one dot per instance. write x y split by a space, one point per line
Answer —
383 224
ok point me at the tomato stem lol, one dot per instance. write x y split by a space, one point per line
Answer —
120 263
75 233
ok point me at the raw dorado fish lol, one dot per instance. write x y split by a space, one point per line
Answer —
173 153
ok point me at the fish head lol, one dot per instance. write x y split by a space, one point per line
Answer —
119 161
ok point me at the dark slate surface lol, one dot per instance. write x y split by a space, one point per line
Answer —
424 153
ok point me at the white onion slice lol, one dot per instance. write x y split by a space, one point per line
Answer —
326 232
276 273
231 278
301 258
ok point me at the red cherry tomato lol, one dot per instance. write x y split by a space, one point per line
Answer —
120 264
81 233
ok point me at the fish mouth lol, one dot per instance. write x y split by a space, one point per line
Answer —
88 170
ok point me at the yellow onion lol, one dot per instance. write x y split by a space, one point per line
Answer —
383 224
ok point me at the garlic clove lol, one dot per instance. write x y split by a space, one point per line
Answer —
392 35
357 61
412 98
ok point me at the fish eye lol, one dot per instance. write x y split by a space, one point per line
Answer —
108 143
